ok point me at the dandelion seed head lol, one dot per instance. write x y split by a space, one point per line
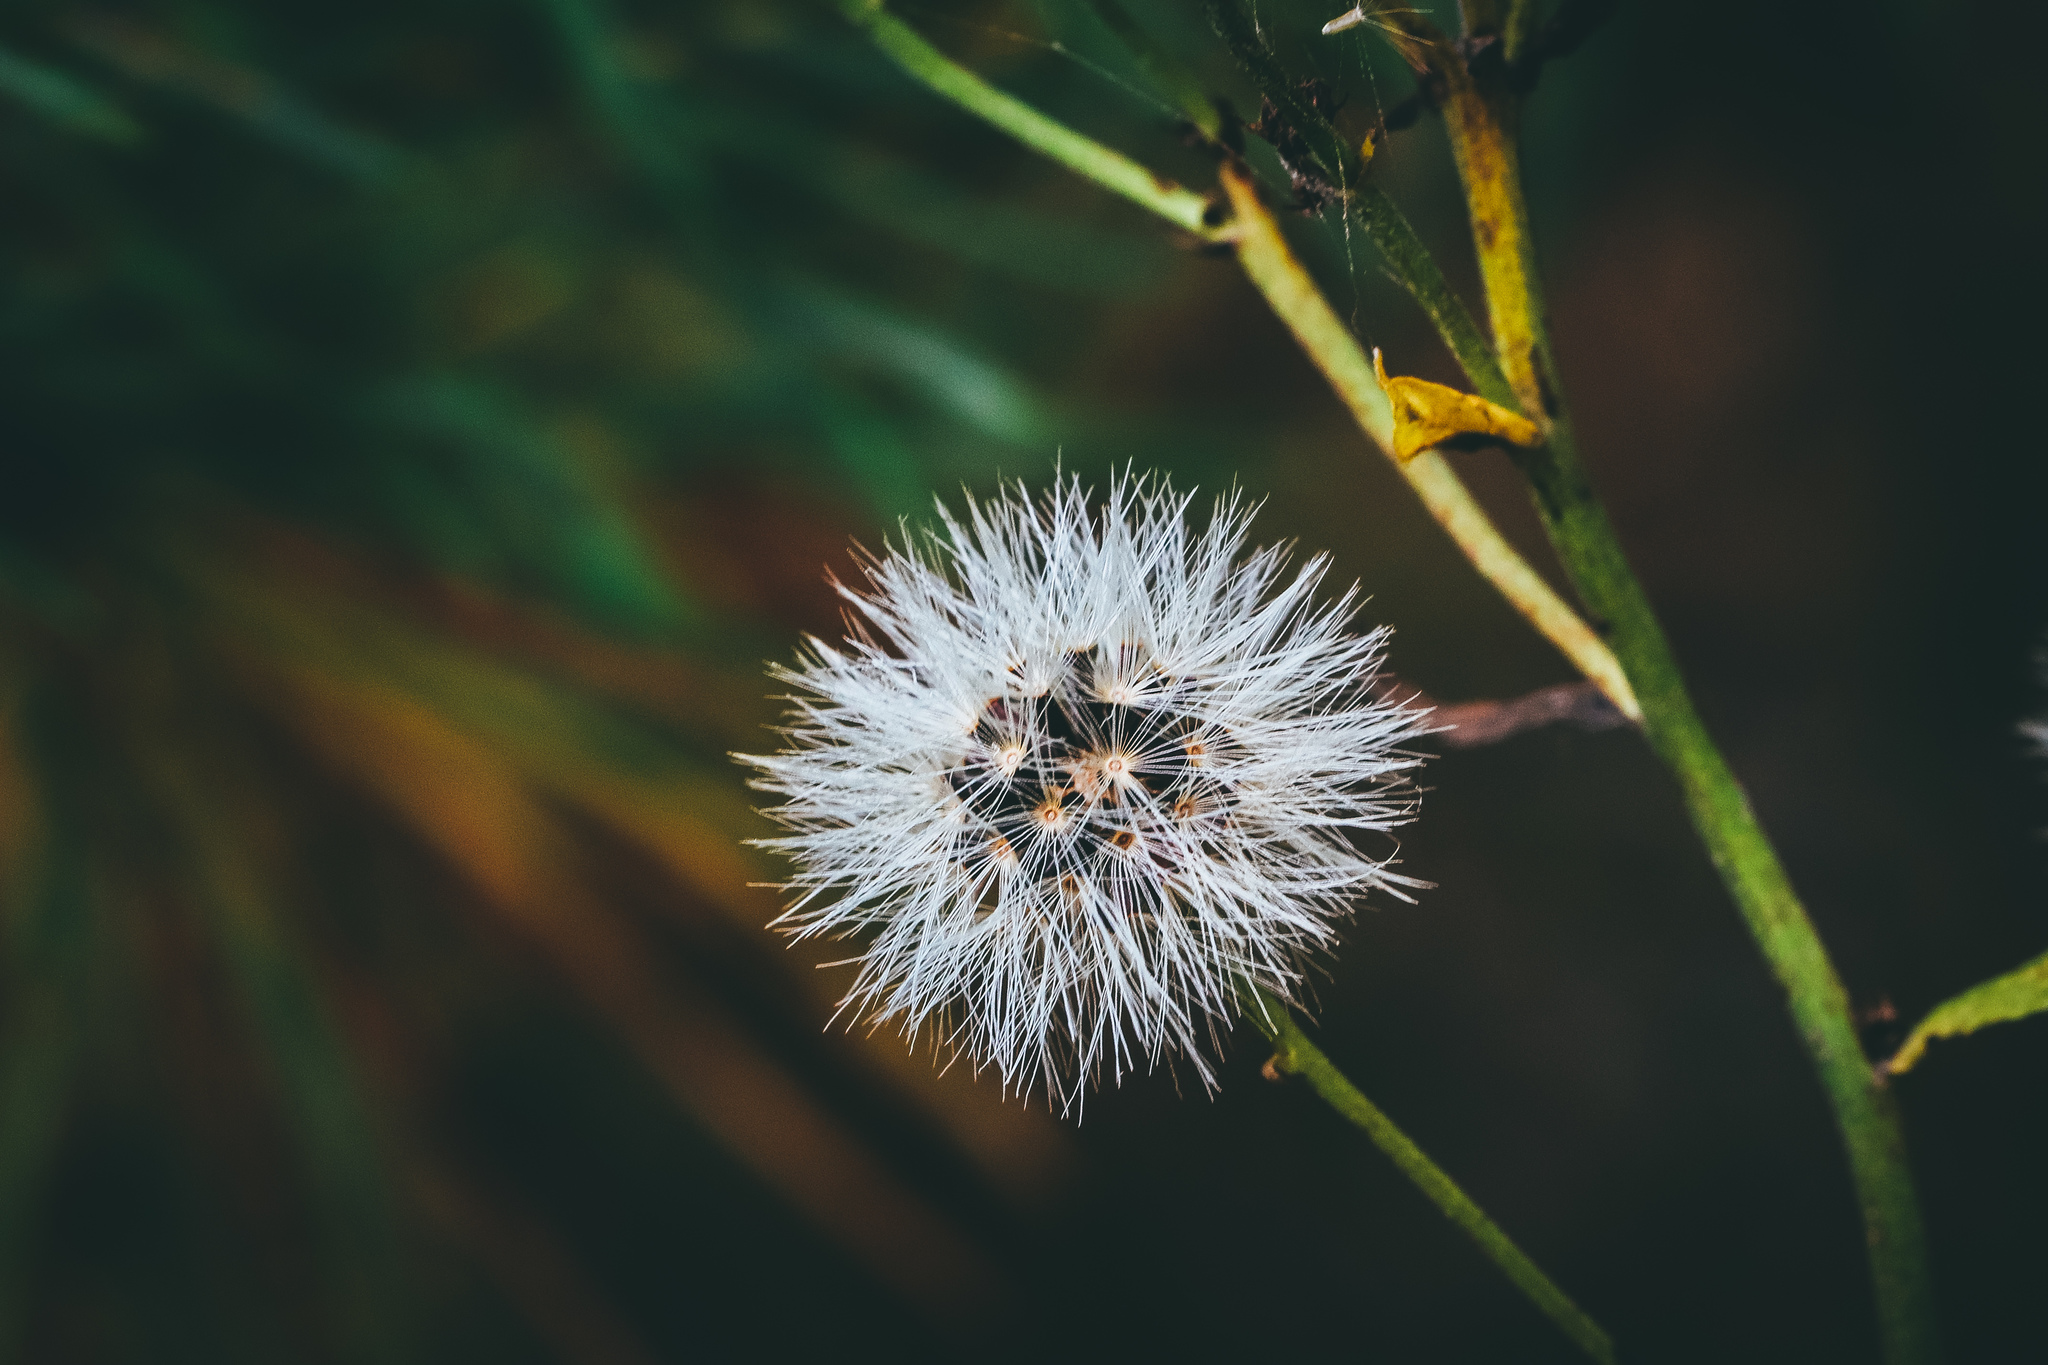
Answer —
1080 773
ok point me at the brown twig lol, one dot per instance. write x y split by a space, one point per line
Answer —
1474 724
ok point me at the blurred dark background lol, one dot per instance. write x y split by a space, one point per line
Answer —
419 422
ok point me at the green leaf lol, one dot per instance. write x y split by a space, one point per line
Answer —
636 114
1168 74
946 373
243 93
223 816
2002 999
66 101
886 192
46 955
518 491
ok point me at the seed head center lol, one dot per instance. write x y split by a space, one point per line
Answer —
1051 813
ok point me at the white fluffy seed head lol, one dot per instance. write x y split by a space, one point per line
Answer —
1081 774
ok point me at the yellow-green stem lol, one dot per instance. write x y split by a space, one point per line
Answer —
1295 1055
1273 268
1482 133
1490 168
944 76
1278 274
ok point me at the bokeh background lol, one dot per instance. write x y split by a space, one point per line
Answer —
419 422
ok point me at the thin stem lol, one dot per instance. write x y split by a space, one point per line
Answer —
1320 148
1412 267
1406 259
1294 1054
1489 165
1482 131
1278 274
1275 271
1518 33
1110 169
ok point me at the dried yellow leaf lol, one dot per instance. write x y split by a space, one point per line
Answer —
1427 414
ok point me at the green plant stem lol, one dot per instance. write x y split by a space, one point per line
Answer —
1274 270
1112 170
1742 853
1401 251
1524 377
1412 267
1295 1055
1326 154
1278 274
1482 134
1518 31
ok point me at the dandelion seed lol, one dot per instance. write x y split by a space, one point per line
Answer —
1080 775
1390 19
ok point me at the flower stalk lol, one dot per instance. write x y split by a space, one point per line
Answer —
1111 169
1482 133
1330 158
1294 1054
1623 650
1278 275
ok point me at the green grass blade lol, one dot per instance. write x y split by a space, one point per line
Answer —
66 101
352 1200
45 959
521 495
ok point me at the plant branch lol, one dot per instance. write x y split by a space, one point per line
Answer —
1488 165
1295 1055
1407 261
1330 158
1476 724
1518 33
1112 170
1278 274
1482 131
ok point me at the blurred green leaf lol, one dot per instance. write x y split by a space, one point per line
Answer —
45 955
1008 236
441 335
250 96
928 361
637 113
224 826
515 483
66 101
1169 76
